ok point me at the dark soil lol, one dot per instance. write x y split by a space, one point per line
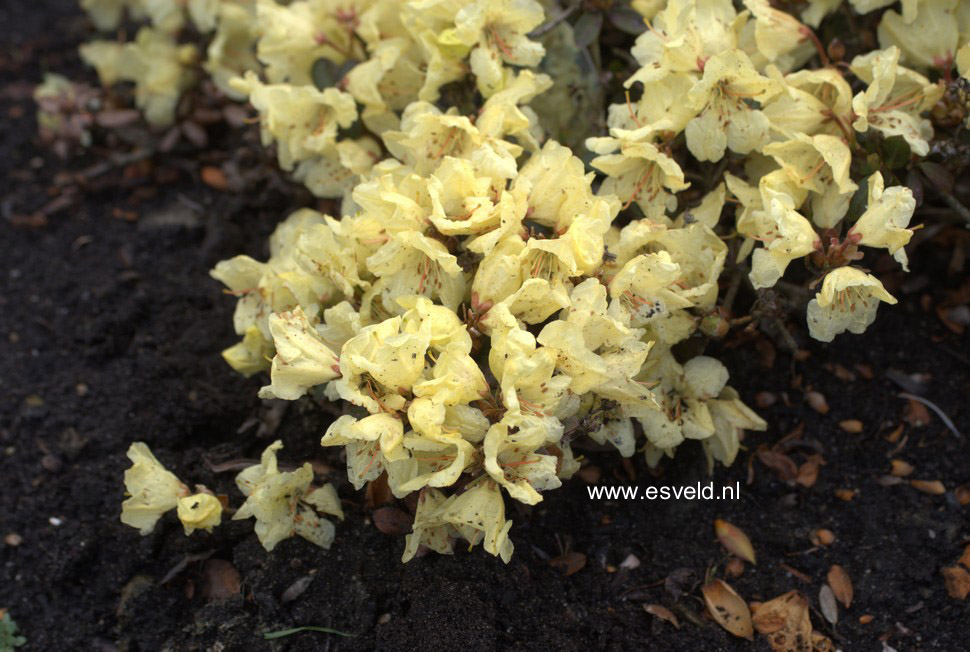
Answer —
111 333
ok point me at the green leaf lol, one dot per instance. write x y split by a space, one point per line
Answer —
325 73
895 152
587 29
306 628
627 20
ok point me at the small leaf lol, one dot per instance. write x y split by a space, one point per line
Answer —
735 540
934 487
826 600
663 613
571 562
895 152
627 20
841 585
391 520
938 176
306 628
728 609
587 29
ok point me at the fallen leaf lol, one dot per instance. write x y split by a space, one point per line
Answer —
590 474
663 613
853 426
378 492
631 562
679 582
569 563
816 400
296 589
934 487
214 178
786 623
916 414
826 601
841 585
894 436
220 580
734 540
797 573
865 619
901 468
808 471
957 582
780 463
391 520
728 609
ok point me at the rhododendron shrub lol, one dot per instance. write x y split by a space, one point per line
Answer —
481 297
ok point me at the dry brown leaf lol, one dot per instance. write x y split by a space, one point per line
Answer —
901 468
816 400
214 178
220 580
934 487
734 540
728 609
841 585
916 414
378 492
957 582
808 471
853 426
785 622
569 563
780 463
391 520
894 436
663 613
734 567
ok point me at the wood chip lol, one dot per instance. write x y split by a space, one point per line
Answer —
901 468
934 487
663 613
569 563
965 558
841 585
957 582
734 540
853 426
728 609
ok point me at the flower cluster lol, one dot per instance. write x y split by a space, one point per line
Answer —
728 81
482 299
481 311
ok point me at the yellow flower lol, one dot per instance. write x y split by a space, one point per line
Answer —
199 511
847 301
153 490
894 99
731 418
302 360
497 30
251 355
232 49
639 173
778 37
726 118
927 41
883 224
479 514
281 502
785 233
428 529
811 102
819 164
370 444
412 263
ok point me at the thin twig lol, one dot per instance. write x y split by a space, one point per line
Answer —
957 207
935 408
